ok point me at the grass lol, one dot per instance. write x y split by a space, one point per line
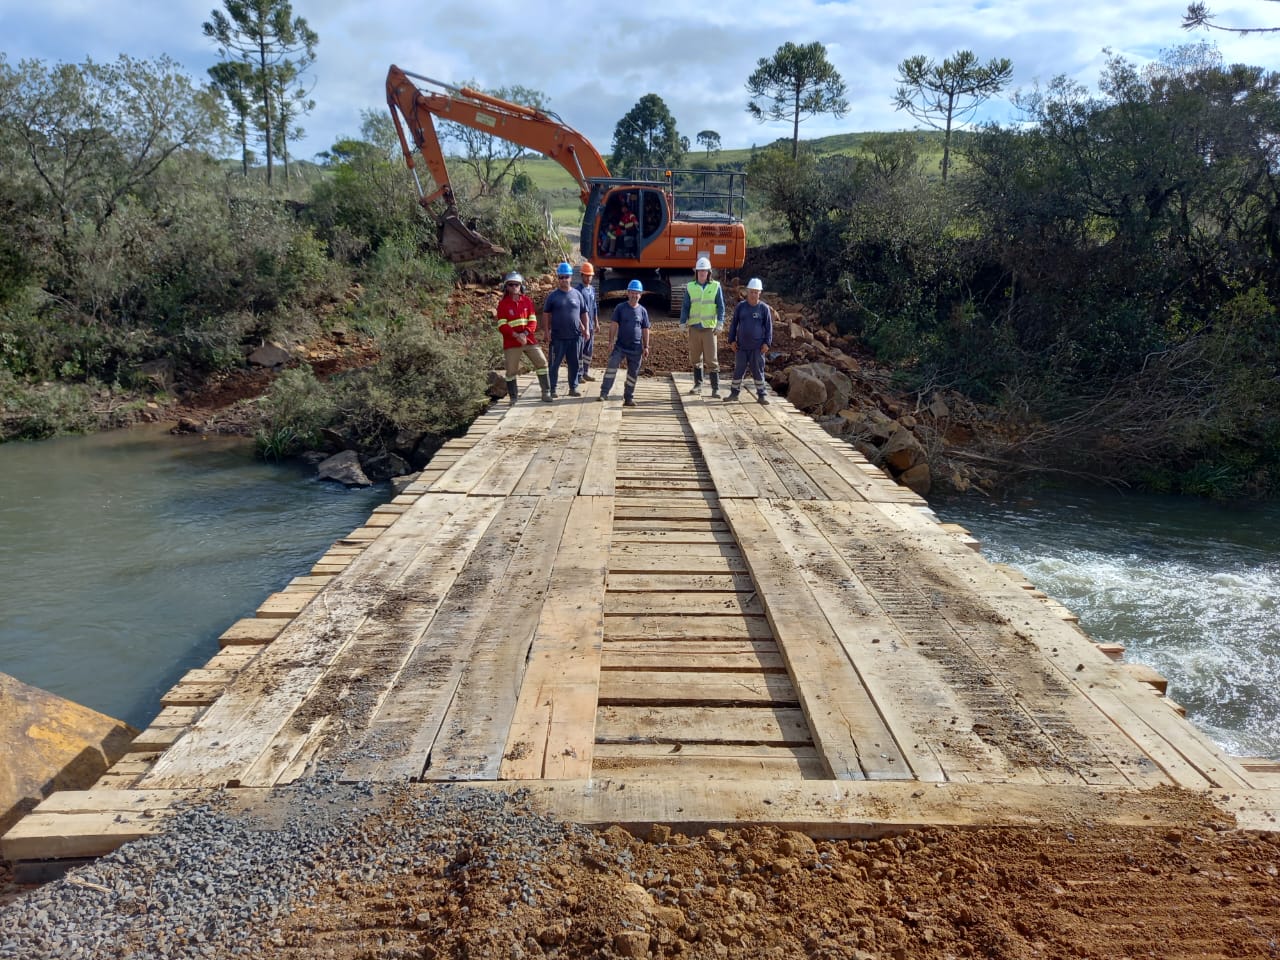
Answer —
559 190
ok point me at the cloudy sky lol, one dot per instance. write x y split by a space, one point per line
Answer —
594 61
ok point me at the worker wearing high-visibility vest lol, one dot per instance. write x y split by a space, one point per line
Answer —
702 314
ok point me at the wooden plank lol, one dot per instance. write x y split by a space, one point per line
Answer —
672 536
284 605
691 604
847 728
598 476
693 580
680 524
731 480
419 557
551 731
1116 716
769 726
626 565
192 694
700 762
548 439
501 448
638 687
407 722
252 631
476 726
572 468
652 627
907 689
687 655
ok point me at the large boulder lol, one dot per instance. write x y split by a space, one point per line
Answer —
51 744
497 386
818 388
903 451
805 390
344 468
919 478
270 355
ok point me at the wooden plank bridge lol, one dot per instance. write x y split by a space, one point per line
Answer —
688 612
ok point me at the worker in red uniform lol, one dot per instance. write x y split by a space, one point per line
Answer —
518 324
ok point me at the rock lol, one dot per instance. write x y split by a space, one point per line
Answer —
51 744
384 467
836 390
919 478
270 355
344 468
313 458
903 451
497 387
631 943
939 409
188 425
797 332
334 440
400 484
805 390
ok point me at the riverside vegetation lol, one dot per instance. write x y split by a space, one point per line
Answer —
1103 275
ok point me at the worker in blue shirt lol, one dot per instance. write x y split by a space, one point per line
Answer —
564 314
628 340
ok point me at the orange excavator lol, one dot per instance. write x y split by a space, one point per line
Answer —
651 229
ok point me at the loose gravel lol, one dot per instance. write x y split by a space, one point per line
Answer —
218 882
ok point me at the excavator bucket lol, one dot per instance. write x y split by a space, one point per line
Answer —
460 243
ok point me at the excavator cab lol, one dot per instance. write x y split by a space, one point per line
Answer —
623 218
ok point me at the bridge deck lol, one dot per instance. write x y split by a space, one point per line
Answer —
695 598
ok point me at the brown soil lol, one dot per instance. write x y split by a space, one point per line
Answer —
1067 891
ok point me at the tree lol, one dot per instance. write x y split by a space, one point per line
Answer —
942 94
1198 15
711 140
646 136
233 79
96 134
266 34
290 103
489 156
797 83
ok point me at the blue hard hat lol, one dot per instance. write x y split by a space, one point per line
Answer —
636 285
564 270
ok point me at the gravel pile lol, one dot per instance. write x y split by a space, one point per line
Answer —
218 883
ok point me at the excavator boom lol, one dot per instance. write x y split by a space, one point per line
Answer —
519 124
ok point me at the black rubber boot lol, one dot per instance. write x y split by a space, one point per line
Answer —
697 381
732 394
513 391
762 399
715 382
545 384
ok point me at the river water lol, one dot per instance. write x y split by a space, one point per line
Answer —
1190 587
124 555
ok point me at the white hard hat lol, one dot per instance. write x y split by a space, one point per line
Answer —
755 284
702 264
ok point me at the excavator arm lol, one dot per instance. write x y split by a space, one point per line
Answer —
518 124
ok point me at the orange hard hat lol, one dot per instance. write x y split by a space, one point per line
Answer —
587 269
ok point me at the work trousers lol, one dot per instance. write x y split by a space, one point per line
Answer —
702 348
586 346
749 359
564 350
616 356
511 356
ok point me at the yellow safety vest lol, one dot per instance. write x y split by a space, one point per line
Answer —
702 302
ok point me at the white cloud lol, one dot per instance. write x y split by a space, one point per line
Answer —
594 61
